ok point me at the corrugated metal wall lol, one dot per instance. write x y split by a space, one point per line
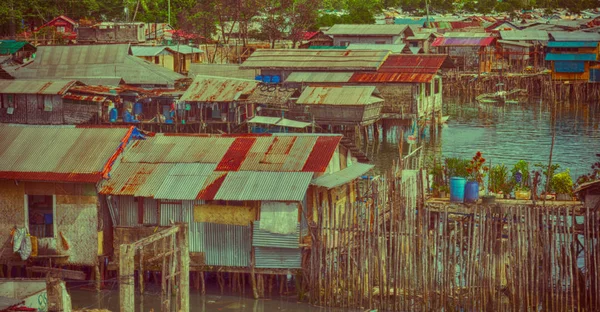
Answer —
263 238
128 210
277 258
226 245
150 210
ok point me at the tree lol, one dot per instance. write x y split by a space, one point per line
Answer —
301 17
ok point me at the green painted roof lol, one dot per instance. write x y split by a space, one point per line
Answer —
11 46
327 48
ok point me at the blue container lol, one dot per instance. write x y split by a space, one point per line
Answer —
47 218
113 115
457 189
137 108
471 192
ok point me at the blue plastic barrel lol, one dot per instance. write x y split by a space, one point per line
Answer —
471 192
113 115
137 108
457 189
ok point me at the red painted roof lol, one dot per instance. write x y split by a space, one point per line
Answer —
57 19
465 42
320 156
407 63
309 35
391 77
236 154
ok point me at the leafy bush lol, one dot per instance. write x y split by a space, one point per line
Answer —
457 167
500 181
522 168
562 183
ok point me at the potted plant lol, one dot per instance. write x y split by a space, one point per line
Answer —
562 184
520 177
499 183
547 173
476 171
436 174
444 191
456 169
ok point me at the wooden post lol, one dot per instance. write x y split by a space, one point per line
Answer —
184 262
126 282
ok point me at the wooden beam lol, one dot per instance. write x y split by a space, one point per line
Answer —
126 278
56 272
184 266
155 237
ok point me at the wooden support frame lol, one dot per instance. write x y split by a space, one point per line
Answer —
175 269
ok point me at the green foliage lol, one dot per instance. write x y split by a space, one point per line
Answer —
500 181
522 167
546 173
592 176
457 167
562 183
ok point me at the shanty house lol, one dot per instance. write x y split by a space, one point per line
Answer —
184 56
421 41
109 32
468 51
348 105
589 193
48 178
574 60
220 103
248 199
345 34
34 101
100 60
158 55
315 38
61 25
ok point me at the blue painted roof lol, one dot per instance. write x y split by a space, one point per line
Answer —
570 57
411 21
572 44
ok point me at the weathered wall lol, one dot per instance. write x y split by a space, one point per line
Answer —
341 40
76 218
19 105
44 109
81 113
399 98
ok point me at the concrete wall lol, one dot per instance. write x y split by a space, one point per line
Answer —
76 217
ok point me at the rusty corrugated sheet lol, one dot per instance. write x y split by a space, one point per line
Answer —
184 181
36 86
346 95
261 238
218 89
253 185
226 245
277 258
306 59
321 154
57 153
366 30
390 78
89 98
414 64
463 42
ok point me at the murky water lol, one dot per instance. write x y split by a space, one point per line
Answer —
508 133
212 301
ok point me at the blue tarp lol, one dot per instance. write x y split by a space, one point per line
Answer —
570 57
569 67
572 44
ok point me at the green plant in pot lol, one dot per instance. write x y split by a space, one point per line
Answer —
520 178
456 170
547 173
500 183
436 173
477 171
562 185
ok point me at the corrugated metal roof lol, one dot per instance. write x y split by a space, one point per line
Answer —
366 30
391 78
524 35
572 44
184 181
422 63
477 41
394 48
253 185
305 59
262 238
218 89
575 36
184 49
318 77
570 57
319 158
50 87
99 81
277 258
108 60
346 95
57 153
279 121
341 177
515 43
466 34
150 50
221 70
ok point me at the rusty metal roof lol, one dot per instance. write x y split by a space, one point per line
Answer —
419 63
218 89
366 30
38 86
391 78
60 154
319 77
186 167
346 95
307 59
463 41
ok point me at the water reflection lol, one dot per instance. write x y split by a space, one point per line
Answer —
506 134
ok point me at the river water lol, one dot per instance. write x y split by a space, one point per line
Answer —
508 133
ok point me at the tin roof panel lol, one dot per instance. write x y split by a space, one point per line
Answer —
345 95
251 185
307 59
218 89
